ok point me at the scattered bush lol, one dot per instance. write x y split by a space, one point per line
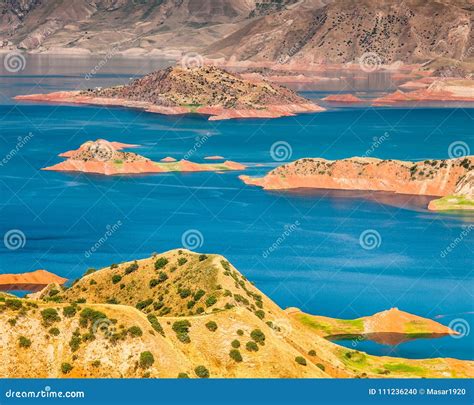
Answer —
202 258
146 359
260 314
135 331
212 326
13 303
184 293
235 355
199 295
114 266
258 336
312 352
251 347
211 300
240 332
96 363
201 372
183 375
162 276
54 331
155 324
235 344
75 343
143 304
90 271
69 311
116 278
131 268
24 342
321 366
66 368
182 329
300 360
182 261
160 263
50 315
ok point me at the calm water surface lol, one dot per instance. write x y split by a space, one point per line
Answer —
319 267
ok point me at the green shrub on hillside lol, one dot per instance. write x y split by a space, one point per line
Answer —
184 293
24 342
13 303
199 294
235 344
312 352
116 278
69 311
160 263
321 366
211 300
66 368
300 360
131 268
155 324
183 375
201 372
202 258
251 347
54 331
212 326
143 304
146 359
181 329
258 336
135 331
235 355
50 315
182 261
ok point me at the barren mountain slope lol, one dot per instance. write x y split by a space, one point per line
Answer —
98 25
344 30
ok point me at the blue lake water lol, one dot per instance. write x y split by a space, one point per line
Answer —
319 267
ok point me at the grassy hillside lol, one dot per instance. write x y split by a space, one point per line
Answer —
178 314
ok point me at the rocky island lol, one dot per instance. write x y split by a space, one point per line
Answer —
207 90
430 177
442 90
107 158
182 314
390 327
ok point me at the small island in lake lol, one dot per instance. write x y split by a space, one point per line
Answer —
107 158
207 90
437 178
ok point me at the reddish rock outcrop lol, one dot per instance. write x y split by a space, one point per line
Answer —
32 281
106 158
430 177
